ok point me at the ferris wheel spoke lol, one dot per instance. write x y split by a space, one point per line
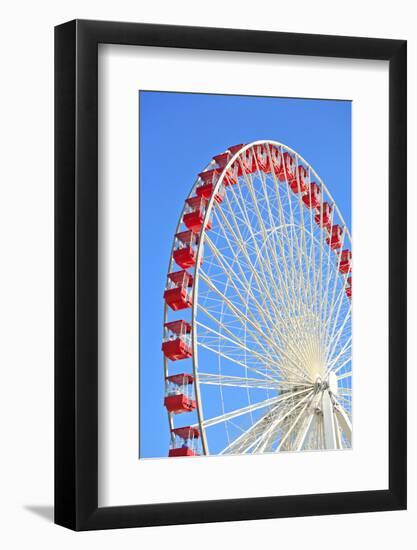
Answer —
238 314
335 322
236 361
239 412
332 321
315 262
230 274
277 243
305 432
270 433
269 301
249 437
304 256
231 324
275 368
240 279
296 249
254 437
345 401
261 252
345 375
318 275
265 438
262 311
342 365
238 381
333 342
291 234
265 307
312 270
312 258
324 289
286 223
282 216
331 305
263 288
341 349
290 430
298 328
346 348
237 344
241 317
263 231
277 427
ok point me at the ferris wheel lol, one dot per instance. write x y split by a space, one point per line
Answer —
257 319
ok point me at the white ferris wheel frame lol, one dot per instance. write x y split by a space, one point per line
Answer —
332 412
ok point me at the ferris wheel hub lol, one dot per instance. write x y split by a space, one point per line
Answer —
329 383
321 385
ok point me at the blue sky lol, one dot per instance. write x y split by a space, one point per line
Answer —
179 134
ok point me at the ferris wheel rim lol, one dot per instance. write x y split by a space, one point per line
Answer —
199 252
202 235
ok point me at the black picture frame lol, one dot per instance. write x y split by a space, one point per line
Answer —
76 272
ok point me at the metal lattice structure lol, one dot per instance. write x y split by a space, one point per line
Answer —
257 319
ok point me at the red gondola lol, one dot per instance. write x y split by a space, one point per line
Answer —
277 162
334 240
297 180
345 261
323 215
235 148
312 196
184 450
222 159
176 343
178 404
263 157
184 441
230 178
179 393
282 163
235 170
248 161
288 167
185 249
194 216
177 294
209 178
245 164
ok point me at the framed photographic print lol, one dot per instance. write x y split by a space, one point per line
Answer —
217 193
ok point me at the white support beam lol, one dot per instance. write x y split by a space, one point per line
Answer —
344 422
328 420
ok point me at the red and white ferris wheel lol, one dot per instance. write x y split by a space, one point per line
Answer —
257 319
